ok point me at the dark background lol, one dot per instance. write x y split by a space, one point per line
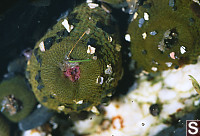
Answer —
24 22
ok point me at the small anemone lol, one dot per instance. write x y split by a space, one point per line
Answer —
16 100
168 37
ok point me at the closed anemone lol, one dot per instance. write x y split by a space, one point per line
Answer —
168 37
16 100
67 67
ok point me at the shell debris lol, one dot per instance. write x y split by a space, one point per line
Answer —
128 37
99 80
92 5
146 16
144 35
78 102
41 46
67 26
183 49
108 71
91 50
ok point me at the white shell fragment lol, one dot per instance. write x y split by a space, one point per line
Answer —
108 71
89 1
154 69
41 46
153 33
144 35
92 5
128 37
182 49
169 64
109 38
146 16
91 50
99 80
95 110
141 22
61 108
78 102
135 15
87 31
67 26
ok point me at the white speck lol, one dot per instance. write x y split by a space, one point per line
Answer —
154 68
172 55
153 33
94 57
92 5
109 38
135 15
146 16
79 102
196 103
42 48
182 49
144 35
118 47
89 1
61 108
169 64
99 80
67 26
109 95
87 31
39 106
108 71
129 54
123 9
95 110
128 37
91 50
90 18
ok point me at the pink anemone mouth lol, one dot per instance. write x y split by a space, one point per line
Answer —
73 73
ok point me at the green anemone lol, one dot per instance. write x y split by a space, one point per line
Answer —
165 34
16 100
73 70
4 127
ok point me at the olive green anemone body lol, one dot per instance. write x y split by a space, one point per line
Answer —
93 28
165 35
25 99
4 127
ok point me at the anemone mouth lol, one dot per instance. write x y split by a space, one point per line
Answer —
73 73
11 105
